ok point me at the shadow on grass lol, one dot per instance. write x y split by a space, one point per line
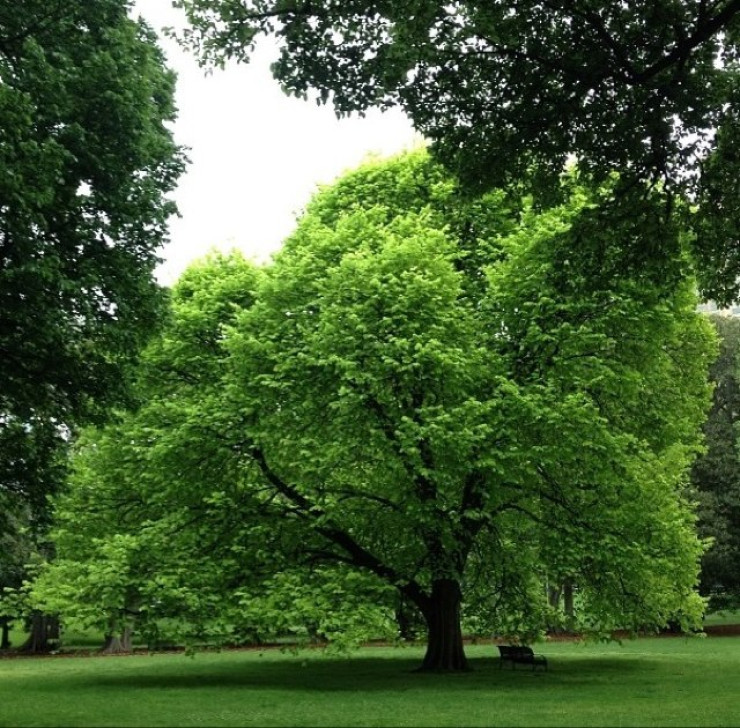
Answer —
366 674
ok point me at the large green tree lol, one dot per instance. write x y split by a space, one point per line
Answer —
425 393
716 474
510 89
88 161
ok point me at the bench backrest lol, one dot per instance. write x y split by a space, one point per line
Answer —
515 652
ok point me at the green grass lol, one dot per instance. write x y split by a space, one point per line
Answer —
731 616
668 681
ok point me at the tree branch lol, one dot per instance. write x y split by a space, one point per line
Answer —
358 556
682 50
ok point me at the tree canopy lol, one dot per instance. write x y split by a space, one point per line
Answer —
426 395
508 90
716 474
88 161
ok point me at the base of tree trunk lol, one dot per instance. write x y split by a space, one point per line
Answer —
44 634
445 651
117 644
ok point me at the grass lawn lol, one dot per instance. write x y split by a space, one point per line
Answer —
730 616
670 681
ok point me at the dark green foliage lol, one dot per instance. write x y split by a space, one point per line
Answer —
716 475
506 91
87 162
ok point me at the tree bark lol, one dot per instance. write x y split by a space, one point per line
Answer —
5 643
116 644
568 606
44 636
445 652
553 596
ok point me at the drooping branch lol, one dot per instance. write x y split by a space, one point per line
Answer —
343 495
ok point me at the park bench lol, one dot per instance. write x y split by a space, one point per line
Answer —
518 654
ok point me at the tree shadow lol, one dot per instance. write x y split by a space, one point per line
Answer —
366 674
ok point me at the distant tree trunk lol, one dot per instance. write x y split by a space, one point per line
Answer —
5 641
116 644
408 619
553 595
568 606
553 592
445 645
44 634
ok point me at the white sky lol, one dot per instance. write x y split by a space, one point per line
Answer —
256 155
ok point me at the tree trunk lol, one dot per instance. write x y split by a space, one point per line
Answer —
116 644
44 636
553 596
568 606
444 645
408 619
127 639
5 643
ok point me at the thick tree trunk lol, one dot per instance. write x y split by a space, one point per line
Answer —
445 645
44 636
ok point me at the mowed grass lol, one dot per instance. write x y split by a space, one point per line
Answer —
670 681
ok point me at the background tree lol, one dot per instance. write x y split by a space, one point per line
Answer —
16 555
509 90
33 464
716 474
453 398
88 161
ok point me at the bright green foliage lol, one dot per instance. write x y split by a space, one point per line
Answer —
145 490
509 90
716 475
424 391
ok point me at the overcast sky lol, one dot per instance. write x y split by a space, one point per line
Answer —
256 155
